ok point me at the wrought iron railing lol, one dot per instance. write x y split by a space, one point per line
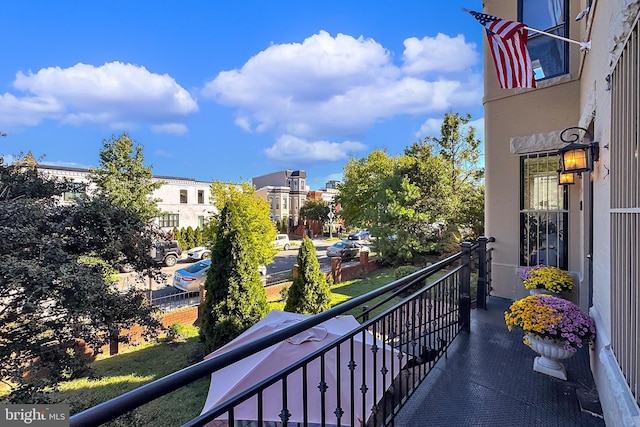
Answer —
177 300
363 377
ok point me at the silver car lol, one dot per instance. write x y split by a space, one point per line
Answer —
190 278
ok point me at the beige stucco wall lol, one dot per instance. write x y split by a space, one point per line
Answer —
538 112
579 99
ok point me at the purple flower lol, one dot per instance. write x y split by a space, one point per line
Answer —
561 319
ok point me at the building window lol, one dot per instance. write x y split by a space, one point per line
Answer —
183 196
76 191
201 197
543 212
295 184
549 56
201 222
169 220
284 203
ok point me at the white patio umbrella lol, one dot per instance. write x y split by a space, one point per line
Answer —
236 378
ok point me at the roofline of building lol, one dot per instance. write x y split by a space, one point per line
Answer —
74 169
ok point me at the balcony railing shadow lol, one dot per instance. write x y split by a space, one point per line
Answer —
386 364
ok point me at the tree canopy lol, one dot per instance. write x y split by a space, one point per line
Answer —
124 180
51 295
315 209
424 200
253 213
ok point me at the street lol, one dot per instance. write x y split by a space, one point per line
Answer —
282 264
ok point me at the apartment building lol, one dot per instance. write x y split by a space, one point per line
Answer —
184 202
589 97
286 192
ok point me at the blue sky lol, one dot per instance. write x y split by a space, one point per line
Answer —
230 90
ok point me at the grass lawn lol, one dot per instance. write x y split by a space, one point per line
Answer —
131 369
145 363
353 288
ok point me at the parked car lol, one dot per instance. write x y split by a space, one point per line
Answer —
346 250
360 235
198 253
282 242
166 252
190 277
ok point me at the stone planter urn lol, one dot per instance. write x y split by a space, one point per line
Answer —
539 291
551 353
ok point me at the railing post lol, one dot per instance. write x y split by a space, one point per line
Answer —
465 288
481 296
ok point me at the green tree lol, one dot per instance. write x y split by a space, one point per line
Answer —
52 291
419 202
235 297
309 293
124 180
363 179
315 209
459 148
284 225
253 212
197 237
190 238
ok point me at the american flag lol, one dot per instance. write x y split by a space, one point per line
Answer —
508 44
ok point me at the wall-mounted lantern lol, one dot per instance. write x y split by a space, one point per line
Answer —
576 156
566 178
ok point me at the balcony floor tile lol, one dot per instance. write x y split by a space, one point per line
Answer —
488 380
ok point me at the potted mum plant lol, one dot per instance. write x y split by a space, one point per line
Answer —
554 328
546 279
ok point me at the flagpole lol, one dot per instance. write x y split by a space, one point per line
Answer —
583 45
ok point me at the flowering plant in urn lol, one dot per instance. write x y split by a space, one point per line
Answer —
551 318
546 277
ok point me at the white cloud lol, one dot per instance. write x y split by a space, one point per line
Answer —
170 128
65 164
291 149
328 87
433 127
243 122
479 127
440 53
27 111
113 94
162 153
